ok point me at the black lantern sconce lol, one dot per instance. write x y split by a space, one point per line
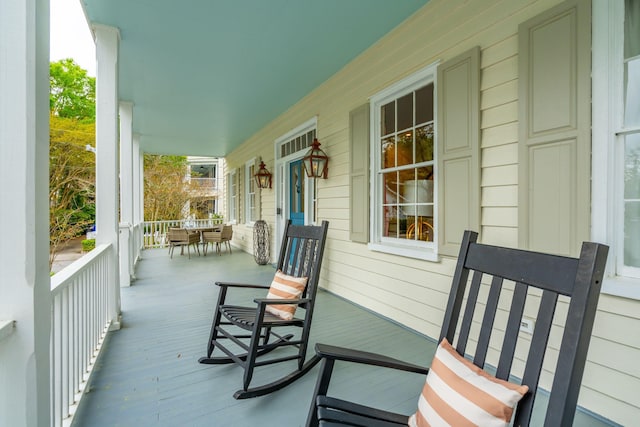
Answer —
263 176
316 161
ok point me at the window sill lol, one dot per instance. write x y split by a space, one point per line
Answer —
426 254
624 287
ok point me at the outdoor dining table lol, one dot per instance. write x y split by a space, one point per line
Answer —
201 230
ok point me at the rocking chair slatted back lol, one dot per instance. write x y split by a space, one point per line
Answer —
300 250
553 276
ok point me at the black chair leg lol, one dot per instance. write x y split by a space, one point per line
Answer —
213 335
322 386
251 357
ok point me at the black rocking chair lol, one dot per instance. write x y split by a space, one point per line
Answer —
548 277
300 256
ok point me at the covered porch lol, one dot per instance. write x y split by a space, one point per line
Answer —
148 373
156 94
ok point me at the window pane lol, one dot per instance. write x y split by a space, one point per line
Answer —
405 148
252 208
424 104
631 28
418 204
632 167
424 143
632 201
390 188
388 119
390 226
632 92
388 152
405 112
631 233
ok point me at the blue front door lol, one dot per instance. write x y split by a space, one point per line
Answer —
296 193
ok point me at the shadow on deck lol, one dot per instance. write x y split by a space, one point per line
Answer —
148 374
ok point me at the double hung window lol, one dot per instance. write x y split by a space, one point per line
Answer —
616 141
250 188
232 196
404 169
628 141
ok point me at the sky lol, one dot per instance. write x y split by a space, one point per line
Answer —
70 35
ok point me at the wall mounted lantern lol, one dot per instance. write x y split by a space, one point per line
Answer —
263 176
316 161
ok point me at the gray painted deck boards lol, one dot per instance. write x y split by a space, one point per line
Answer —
148 375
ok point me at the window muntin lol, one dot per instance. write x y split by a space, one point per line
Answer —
404 170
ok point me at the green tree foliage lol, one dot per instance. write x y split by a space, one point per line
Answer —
165 191
71 166
73 92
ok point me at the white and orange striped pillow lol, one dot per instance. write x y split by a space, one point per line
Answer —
458 393
284 286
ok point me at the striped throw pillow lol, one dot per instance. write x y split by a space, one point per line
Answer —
458 393
284 286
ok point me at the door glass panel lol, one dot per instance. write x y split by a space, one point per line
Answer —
296 193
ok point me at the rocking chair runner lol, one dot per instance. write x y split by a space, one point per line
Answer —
300 256
551 276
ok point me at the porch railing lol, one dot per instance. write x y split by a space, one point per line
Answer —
204 183
155 232
79 323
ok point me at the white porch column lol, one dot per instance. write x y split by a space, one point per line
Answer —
137 195
25 288
107 39
141 181
126 193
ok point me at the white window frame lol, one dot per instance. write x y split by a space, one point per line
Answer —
250 202
233 194
608 146
408 248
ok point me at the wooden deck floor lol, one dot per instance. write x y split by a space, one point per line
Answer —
148 373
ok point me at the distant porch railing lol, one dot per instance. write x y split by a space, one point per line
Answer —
80 321
204 183
155 232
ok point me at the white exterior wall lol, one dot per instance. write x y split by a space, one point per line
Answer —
439 31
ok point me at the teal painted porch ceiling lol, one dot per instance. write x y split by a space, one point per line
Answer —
205 75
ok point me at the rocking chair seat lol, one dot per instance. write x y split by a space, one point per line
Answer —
245 317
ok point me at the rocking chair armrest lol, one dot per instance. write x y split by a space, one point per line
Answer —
364 357
266 301
241 285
